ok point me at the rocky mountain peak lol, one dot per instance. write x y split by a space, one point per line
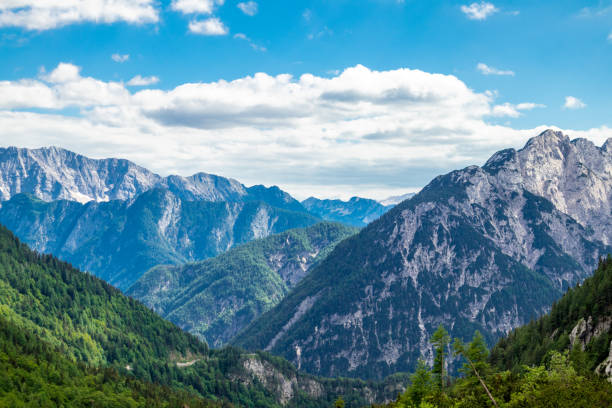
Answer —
548 137
53 173
482 248
575 175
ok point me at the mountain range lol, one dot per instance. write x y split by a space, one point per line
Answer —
118 240
485 248
53 173
117 220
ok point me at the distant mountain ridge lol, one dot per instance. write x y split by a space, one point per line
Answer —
357 211
484 248
53 173
118 241
218 297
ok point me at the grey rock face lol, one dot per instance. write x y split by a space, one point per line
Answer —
480 248
53 173
57 174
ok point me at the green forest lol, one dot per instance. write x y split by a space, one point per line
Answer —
68 336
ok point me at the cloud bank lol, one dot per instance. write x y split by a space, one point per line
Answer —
365 132
48 14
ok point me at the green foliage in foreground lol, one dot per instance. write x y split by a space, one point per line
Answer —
535 366
553 385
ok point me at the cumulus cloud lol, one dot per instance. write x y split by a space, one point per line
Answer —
479 11
362 131
143 81
250 8
44 15
120 58
487 70
572 102
514 111
210 26
195 6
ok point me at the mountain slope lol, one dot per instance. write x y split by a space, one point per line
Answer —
480 248
218 297
562 359
119 240
580 321
357 211
94 326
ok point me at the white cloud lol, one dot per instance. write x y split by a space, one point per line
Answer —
572 102
64 73
143 81
252 44
367 132
479 11
487 70
120 58
514 111
249 8
196 6
49 14
210 26
63 87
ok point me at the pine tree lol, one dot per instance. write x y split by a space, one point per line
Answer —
421 385
475 353
440 339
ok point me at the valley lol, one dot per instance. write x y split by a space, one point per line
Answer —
251 298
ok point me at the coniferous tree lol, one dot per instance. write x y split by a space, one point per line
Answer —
441 340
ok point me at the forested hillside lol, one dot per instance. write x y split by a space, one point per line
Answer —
84 326
36 374
580 322
218 297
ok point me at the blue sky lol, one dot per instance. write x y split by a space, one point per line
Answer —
532 56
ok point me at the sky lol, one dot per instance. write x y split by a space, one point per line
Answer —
330 98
